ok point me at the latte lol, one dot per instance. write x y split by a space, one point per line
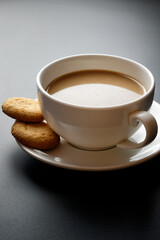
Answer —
96 88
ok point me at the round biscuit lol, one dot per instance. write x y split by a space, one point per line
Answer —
35 135
23 109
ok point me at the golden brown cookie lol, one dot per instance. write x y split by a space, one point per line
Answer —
23 109
35 135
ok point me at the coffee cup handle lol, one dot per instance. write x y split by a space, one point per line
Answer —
150 125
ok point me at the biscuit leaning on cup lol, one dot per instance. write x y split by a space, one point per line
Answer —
23 109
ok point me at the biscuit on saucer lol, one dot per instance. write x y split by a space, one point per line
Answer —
35 135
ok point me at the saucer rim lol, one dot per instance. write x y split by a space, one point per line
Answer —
90 168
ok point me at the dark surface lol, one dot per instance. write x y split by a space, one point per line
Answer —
38 201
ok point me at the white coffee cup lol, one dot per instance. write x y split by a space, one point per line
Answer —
96 128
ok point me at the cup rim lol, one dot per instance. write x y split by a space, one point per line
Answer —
94 107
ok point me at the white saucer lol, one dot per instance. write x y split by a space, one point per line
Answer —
67 156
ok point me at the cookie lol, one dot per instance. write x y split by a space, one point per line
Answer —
35 135
23 109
